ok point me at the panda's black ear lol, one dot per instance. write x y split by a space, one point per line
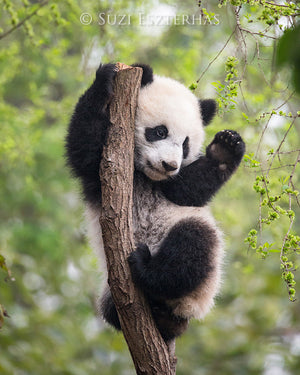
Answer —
208 109
147 76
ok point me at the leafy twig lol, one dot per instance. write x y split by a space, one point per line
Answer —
18 25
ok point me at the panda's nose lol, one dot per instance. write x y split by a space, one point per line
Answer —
170 166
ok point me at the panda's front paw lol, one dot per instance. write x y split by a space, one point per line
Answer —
231 141
105 76
138 261
227 146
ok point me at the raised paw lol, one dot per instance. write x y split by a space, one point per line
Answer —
138 260
227 146
231 140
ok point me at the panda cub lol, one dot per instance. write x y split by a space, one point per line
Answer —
179 250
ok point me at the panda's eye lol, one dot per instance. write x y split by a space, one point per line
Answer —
161 131
156 134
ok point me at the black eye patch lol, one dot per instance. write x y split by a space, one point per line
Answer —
185 148
156 134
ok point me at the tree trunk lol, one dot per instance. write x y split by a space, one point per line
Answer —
149 352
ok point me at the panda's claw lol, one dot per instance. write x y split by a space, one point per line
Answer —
230 140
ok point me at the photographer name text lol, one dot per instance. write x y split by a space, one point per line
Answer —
143 19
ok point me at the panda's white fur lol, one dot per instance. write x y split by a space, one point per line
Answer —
180 114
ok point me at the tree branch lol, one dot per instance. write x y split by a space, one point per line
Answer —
215 58
149 352
6 33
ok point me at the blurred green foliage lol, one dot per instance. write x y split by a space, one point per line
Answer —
288 54
48 275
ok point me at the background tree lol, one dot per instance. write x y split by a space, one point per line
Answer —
48 56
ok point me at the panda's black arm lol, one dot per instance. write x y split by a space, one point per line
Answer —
197 183
88 130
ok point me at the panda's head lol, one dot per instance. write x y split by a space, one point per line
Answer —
169 124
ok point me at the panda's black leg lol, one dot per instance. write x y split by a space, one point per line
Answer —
109 311
168 324
183 261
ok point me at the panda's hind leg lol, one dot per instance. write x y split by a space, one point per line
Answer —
184 260
168 324
109 311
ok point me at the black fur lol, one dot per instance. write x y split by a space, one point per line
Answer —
147 76
169 325
88 131
208 109
196 184
156 134
186 148
109 311
181 264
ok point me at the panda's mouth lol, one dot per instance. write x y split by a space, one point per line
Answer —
149 165
156 174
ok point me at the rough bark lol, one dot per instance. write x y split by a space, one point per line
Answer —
149 352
